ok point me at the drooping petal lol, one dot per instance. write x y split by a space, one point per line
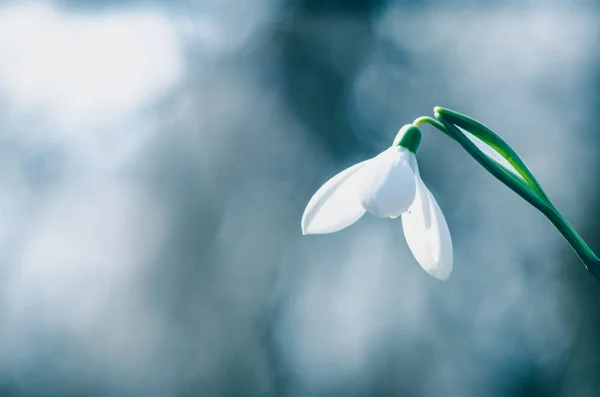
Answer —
336 204
427 233
390 187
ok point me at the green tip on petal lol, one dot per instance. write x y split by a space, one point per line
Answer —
408 137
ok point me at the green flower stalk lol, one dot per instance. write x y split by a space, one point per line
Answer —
519 178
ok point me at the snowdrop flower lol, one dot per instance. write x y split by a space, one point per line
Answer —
387 186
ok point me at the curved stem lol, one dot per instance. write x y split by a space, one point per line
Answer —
533 196
433 122
496 143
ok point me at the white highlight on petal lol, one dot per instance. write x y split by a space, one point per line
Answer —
336 204
427 233
390 188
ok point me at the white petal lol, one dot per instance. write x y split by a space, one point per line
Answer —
390 184
336 204
427 233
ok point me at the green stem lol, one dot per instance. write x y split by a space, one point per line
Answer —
494 141
433 122
532 194
583 251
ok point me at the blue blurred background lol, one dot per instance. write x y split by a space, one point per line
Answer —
156 158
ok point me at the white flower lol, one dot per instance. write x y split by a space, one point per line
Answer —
387 186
